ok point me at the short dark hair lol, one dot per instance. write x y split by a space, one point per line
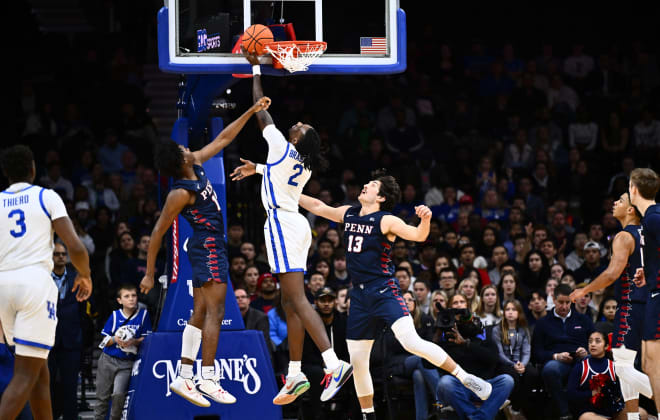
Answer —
539 292
448 270
324 239
126 286
424 282
17 162
309 147
389 189
464 246
399 268
169 158
563 289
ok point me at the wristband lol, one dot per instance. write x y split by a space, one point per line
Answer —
256 70
259 168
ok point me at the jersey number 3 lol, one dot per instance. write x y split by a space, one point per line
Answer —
20 222
298 168
355 243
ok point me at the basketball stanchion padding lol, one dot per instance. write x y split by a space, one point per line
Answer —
295 55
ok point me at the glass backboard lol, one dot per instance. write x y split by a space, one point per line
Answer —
363 36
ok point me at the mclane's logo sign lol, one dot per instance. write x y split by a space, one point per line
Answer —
242 370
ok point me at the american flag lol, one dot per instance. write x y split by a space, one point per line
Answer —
371 45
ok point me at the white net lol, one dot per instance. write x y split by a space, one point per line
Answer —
296 56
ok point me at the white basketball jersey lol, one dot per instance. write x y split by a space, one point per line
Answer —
26 230
284 174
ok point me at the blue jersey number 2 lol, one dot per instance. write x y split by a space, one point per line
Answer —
299 168
20 222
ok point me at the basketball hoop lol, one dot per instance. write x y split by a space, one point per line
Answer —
295 55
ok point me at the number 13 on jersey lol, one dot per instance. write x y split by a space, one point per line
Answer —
355 243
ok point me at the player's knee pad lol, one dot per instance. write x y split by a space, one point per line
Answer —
404 331
360 350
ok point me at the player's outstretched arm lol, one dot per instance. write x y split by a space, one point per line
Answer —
623 246
263 117
392 224
230 132
248 168
79 257
319 208
175 202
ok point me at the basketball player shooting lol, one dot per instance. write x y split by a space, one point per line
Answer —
288 238
28 295
193 197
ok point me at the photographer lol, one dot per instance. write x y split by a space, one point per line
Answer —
462 336
560 339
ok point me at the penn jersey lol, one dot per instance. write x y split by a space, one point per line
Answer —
284 174
26 229
368 251
205 216
624 288
651 246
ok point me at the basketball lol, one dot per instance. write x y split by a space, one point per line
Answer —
255 38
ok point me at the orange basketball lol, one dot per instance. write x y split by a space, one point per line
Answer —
255 38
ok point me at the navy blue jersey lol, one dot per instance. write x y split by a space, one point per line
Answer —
205 215
624 288
651 245
368 251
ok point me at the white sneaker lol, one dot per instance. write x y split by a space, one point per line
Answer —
185 388
212 389
293 387
478 386
334 379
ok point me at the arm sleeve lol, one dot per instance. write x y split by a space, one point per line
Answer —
276 143
526 348
497 339
53 203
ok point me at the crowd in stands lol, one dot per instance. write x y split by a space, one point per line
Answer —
519 157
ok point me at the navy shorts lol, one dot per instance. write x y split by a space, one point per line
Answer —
372 304
652 317
629 325
208 259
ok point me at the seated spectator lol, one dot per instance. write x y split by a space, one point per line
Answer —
606 313
509 288
448 210
576 258
583 394
237 266
341 277
468 288
557 271
278 336
342 300
253 319
438 297
448 281
560 338
489 306
268 293
323 266
422 295
499 256
513 342
423 377
402 275
535 271
592 265
550 286
537 308
315 283
251 258
582 305
134 269
466 343
123 252
250 282
467 257
312 362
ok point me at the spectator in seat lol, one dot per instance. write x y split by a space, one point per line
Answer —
583 306
468 254
341 277
489 306
592 265
402 275
509 288
498 257
64 357
467 343
560 339
438 297
513 342
268 293
312 362
250 281
253 319
316 282
342 300
468 288
448 281
423 378
576 258
422 295
237 266
537 308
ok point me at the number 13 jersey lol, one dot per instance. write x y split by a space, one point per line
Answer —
368 251
284 174
26 215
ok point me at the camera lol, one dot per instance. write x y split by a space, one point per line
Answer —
468 325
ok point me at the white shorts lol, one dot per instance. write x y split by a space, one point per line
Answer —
28 310
288 238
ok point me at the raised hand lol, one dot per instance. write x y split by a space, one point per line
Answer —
423 212
247 169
